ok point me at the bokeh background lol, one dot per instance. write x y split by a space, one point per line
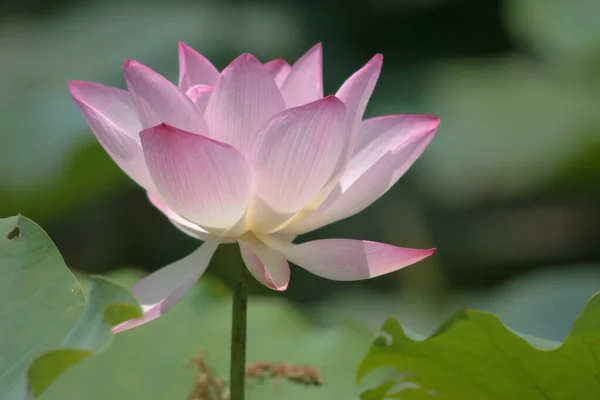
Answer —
508 191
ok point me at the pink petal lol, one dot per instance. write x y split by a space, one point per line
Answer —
194 69
377 136
112 104
159 101
355 94
304 82
200 94
294 155
161 290
111 115
355 193
357 90
279 70
268 266
349 260
204 181
187 227
180 223
245 96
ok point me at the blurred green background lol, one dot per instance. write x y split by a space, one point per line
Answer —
508 191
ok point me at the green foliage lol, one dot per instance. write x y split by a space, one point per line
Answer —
474 356
88 174
563 31
508 128
48 325
148 362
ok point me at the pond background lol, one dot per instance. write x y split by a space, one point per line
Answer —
508 191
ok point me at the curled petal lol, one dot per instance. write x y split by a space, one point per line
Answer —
355 93
159 101
357 90
245 96
187 227
204 181
348 260
161 290
378 136
365 183
194 69
294 155
112 104
111 115
304 83
268 266
200 94
279 70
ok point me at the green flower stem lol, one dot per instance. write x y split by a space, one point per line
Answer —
238 335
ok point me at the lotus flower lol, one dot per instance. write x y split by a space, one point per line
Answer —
255 155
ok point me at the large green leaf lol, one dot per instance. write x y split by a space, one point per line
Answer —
474 356
48 325
148 362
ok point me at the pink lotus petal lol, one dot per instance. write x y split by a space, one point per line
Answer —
187 227
245 96
304 82
357 90
194 69
339 205
348 260
355 193
294 155
161 290
256 155
279 70
159 101
112 104
111 115
355 94
200 94
268 266
204 181
377 136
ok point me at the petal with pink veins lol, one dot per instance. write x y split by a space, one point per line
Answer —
348 260
159 101
205 181
292 158
244 98
111 115
161 290
355 93
194 69
268 266
372 177
304 83
378 136
279 70
200 94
